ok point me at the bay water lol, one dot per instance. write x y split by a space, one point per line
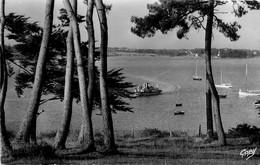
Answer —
174 76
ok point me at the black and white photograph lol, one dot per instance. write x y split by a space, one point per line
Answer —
130 82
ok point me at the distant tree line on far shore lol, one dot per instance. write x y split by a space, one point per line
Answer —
198 52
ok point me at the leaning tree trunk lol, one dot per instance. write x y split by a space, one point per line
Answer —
86 138
91 51
29 122
109 138
62 134
209 117
6 148
91 63
216 104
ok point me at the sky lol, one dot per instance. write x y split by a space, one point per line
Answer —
119 26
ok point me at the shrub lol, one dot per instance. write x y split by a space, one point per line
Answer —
128 135
179 134
246 130
148 132
99 139
42 150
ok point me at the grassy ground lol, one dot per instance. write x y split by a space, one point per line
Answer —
148 149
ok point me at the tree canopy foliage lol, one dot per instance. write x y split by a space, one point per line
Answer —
28 37
166 15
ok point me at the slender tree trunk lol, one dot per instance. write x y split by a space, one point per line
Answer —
91 51
209 117
216 104
6 148
62 134
91 63
86 138
109 138
29 122
33 130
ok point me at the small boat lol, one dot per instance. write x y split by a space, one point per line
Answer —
196 77
179 112
223 85
222 96
246 92
257 104
178 104
146 90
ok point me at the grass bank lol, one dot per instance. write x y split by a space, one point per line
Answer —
149 146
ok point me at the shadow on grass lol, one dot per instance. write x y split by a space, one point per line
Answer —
151 144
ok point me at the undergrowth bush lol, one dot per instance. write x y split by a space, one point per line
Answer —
153 132
41 150
127 135
246 130
99 139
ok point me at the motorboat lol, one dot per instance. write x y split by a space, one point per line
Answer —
146 89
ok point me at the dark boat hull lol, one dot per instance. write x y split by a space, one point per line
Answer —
257 104
179 105
142 94
197 78
179 113
223 96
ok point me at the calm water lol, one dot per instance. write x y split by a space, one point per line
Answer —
172 75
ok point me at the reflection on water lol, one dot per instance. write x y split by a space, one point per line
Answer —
174 77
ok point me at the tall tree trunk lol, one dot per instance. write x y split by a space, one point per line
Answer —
91 62
86 138
91 51
62 134
29 122
33 130
209 117
216 104
109 138
6 148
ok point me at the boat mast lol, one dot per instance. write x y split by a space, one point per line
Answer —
221 76
196 69
221 73
177 96
246 76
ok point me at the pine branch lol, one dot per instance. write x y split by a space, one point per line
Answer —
20 66
50 99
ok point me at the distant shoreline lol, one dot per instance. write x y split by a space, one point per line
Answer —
133 54
216 53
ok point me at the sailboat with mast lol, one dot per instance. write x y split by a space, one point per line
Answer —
246 92
223 85
196 77
178 104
